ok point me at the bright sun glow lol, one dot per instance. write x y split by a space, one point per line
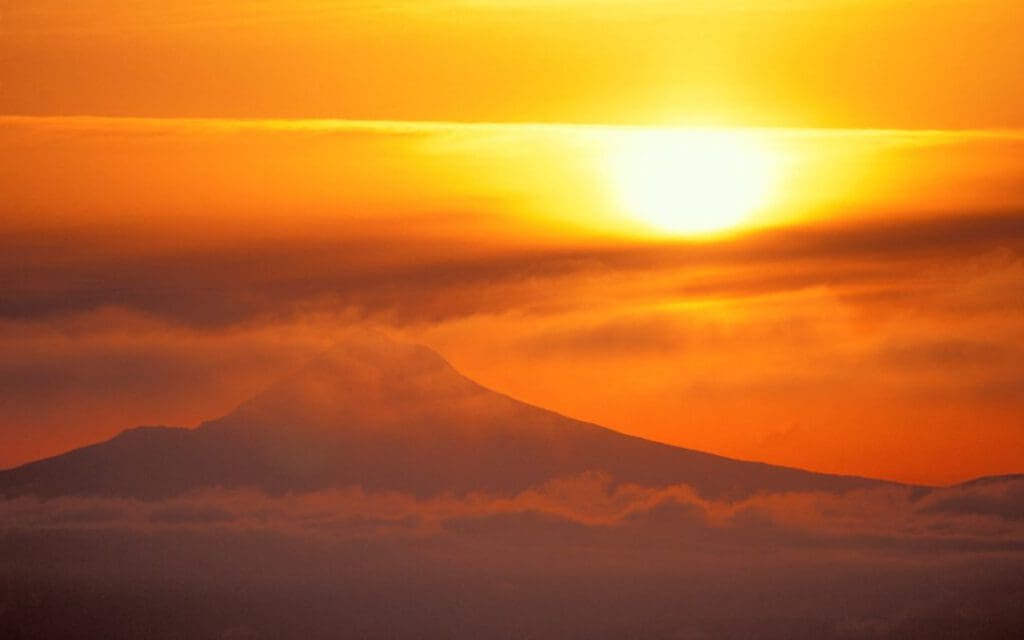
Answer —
692 181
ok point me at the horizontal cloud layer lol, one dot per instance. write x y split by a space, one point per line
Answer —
575 558
984 516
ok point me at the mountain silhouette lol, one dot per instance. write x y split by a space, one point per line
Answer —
383 415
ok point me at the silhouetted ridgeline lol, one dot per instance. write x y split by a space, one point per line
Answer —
389 416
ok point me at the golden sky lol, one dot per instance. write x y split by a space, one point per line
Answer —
795 63
786 231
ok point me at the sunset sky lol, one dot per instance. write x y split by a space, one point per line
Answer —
781 231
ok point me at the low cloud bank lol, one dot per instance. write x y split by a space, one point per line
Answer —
577 558
985 516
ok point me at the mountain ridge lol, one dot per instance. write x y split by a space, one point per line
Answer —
391 416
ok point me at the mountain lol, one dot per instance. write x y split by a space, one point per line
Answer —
389 416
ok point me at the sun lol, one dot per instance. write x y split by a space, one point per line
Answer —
692 182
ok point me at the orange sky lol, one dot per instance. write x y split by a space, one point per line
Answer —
847 63
176 231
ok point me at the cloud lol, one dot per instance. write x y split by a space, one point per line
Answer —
982 517
1000 497
576 557
417 279
962 353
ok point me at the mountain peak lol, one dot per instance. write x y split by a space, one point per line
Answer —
384 415
367 382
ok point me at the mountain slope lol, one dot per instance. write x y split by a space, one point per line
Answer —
389 416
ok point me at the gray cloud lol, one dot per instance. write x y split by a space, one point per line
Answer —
46 275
